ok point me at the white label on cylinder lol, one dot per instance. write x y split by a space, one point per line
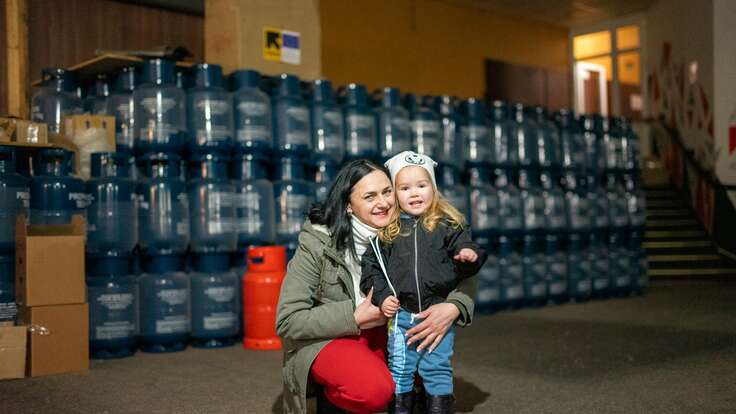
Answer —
114 330
172 324
173 296
217 321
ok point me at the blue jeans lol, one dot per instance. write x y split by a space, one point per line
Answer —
404 361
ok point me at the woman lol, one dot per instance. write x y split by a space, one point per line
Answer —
333 336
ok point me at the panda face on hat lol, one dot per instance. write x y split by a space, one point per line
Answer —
410 158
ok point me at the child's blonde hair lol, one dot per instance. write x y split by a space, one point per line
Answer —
439 210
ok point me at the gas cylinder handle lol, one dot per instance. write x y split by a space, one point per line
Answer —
253 259
41 330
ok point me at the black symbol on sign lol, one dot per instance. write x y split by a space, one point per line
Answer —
272 40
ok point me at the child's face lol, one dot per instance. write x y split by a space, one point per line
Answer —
414 190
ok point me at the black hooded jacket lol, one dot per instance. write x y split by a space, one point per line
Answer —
419 264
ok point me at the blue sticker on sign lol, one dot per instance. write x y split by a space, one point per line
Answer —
290 41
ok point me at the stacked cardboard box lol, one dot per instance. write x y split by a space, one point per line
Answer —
50 292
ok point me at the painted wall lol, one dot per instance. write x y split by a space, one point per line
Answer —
679 36
429 46
724 38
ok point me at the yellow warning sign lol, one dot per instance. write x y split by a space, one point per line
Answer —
281 45
272 42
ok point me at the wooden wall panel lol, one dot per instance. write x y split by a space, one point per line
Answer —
430 46
3 64
529 85
62 33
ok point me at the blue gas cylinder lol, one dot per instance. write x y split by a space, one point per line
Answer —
361 130
292 195
613 138
618 263
328 132
95 102
254 206
163 307
112 216
597 240
425 127
394 127
488 298
534 225
579 282
631 155
504 148
209 112
211 205
55 194
292 127
484 206
160 110
474 134
450 186
636 200
324 176
555 236
163 208
526 137
120 105
14 195
251 113
534 270
511 273
572 143
592 127
547 140
451 151
578 216
215 301
510 206
113 303
55 99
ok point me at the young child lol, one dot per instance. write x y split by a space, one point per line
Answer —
421 256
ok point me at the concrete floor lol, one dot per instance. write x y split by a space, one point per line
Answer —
672 351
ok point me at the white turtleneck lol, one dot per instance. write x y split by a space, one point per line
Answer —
362 233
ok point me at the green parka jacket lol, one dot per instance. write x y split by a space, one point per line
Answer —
316 305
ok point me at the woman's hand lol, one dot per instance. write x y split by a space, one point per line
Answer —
437 320
366 314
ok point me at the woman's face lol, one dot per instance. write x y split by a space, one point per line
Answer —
372 199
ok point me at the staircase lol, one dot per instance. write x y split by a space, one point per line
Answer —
677 246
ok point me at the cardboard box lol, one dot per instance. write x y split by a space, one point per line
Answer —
58 338
49 263
265 35
21 131
75 125
88 134
12 351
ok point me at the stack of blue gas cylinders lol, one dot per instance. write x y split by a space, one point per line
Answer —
207 166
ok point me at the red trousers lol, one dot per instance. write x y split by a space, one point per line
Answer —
353 372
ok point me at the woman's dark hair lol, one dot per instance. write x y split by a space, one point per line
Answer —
333 211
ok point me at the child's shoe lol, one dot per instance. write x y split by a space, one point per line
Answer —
402 403
440 404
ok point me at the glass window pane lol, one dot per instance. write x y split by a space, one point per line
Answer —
629 84
628 68
627 37
591 44
605 62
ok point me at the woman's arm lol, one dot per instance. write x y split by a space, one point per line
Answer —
298 316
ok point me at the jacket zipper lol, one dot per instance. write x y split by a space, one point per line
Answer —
416 265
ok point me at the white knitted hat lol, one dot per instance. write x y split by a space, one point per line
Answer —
407 159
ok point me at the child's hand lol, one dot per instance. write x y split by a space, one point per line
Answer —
390 306
466 255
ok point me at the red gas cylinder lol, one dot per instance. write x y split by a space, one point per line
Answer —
261 288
